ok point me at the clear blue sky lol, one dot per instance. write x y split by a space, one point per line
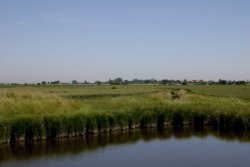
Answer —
101 39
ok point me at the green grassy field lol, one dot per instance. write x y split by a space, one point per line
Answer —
35 112
88 90
238 91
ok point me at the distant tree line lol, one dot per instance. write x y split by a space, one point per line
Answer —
120 81
225 82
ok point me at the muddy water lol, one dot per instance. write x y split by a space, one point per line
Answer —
145 148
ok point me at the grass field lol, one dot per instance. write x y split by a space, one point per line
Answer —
238 91
34 112
88 90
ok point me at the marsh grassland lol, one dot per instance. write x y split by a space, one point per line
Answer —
29 113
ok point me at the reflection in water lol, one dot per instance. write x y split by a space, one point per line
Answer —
92 143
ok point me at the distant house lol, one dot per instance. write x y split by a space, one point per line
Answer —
192 82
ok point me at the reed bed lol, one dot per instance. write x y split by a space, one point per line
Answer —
35 115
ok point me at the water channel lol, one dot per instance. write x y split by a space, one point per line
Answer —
139 148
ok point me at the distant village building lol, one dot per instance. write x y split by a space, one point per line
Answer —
192 82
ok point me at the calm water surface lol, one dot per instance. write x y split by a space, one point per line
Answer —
146 148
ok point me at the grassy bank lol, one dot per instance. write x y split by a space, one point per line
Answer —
30 113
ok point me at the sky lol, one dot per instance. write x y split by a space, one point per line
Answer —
47 40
